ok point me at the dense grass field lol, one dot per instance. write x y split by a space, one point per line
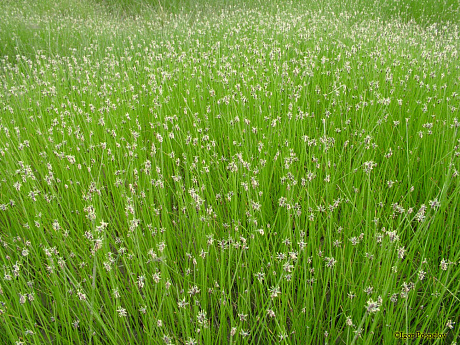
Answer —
229 172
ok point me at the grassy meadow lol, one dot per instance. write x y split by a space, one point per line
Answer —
229 172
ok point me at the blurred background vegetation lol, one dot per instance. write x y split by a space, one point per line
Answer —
28 26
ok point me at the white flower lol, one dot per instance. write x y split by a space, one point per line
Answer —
372 306
122 312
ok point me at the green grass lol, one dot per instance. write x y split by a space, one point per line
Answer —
229 172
